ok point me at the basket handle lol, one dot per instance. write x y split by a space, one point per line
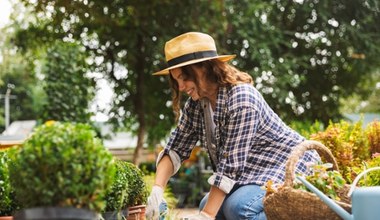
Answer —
298 151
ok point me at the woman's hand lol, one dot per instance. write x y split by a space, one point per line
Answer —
154 200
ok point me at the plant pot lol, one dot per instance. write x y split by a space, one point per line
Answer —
6 217
55 213
115 215
136 212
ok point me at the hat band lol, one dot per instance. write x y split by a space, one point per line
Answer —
192 56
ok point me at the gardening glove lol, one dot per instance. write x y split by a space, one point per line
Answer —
200 216
154 200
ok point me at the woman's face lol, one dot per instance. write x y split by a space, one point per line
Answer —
188 86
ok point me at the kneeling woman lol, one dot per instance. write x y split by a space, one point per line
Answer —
248 144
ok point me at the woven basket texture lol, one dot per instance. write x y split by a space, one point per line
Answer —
290 204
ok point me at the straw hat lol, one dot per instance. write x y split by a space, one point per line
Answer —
189 48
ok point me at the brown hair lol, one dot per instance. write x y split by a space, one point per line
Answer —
217 71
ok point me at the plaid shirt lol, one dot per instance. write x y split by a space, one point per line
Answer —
252 142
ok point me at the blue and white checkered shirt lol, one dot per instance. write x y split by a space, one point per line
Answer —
252 142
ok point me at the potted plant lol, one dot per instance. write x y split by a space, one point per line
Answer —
61 172
117 195
8 204
137 192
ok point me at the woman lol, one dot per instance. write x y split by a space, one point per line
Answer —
248 144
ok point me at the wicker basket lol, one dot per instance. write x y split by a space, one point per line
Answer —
289 203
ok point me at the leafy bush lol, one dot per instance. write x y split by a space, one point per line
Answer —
62 164
348 144
137 188
117 194
373 134
306 128
372 178
8 204
66 86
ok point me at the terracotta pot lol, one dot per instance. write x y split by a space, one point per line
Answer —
136 212
6 217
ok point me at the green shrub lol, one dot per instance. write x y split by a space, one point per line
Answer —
8 204
306 128
372 178
62 164
137 188
117 195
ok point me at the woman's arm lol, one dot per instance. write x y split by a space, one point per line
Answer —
164 171
214 202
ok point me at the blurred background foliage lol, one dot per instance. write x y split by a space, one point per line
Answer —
309 58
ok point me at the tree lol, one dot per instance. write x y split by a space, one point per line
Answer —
355 102
69 91
126 37
16 72
306 55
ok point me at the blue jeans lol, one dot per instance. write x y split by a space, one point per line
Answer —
243 202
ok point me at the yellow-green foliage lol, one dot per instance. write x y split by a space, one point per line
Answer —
348 144
330 182
372 178
373 134
306 128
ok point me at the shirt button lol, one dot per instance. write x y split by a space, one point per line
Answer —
225 154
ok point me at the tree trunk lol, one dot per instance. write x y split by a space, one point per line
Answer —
140 144
139 105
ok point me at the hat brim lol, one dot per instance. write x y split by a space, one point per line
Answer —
223 58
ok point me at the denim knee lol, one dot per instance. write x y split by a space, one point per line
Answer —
246 202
